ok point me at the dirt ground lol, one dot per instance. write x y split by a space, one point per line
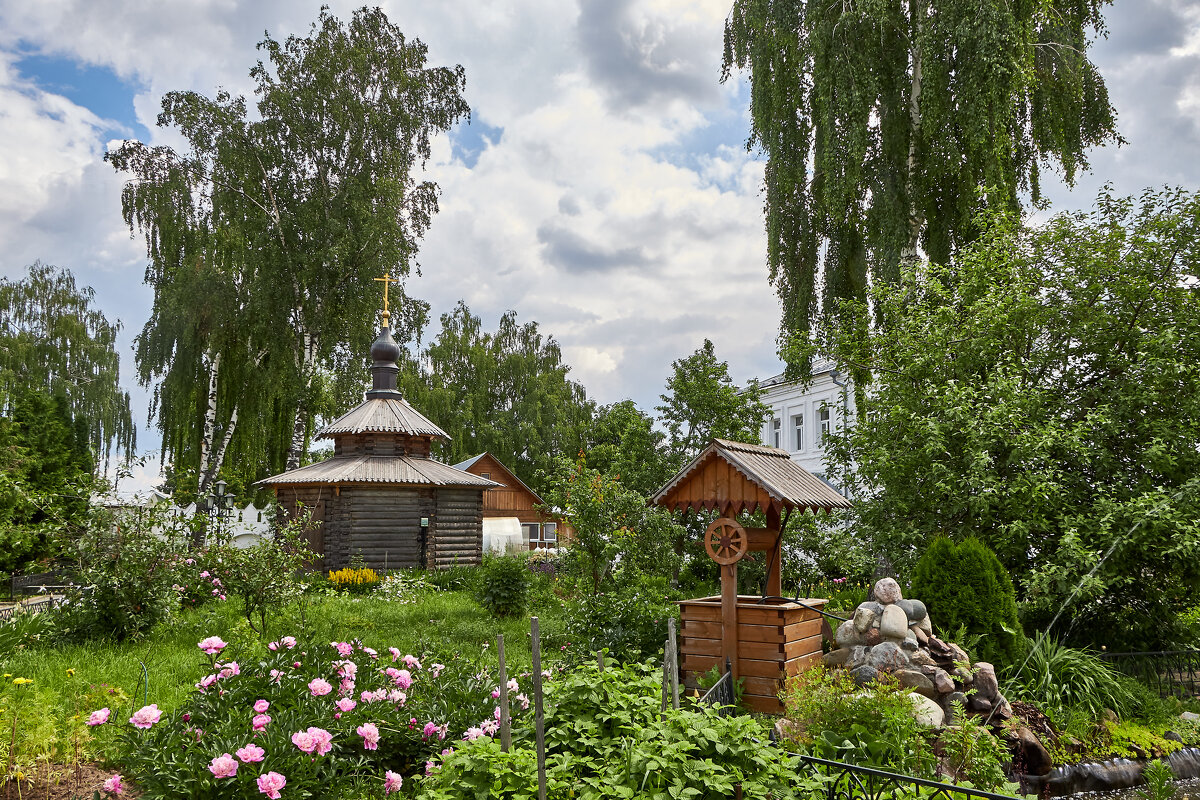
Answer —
57 782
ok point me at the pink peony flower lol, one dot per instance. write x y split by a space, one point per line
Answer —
473 733
207 681
145 717
395 653
524 702
260 706
347 669
319 687
223 766
495 694
316 740
429 768
230 669
346 686
204 574
288 641
397 696
113 784
346 704
250 753
372 652
343 648
391 782
512 685
212 645
403 679
276 676
411 662
490 727
436 670
99 717
270 784
273 646
429 730
370 735
260 721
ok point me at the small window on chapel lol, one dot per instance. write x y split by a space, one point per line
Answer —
487 476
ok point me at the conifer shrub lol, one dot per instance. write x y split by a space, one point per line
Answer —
965 586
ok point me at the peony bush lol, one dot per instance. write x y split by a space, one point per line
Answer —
303 719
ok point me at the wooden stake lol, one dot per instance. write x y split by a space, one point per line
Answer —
674 649
600 659
505 732
729 616
538 720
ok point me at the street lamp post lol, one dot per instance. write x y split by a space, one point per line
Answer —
218 504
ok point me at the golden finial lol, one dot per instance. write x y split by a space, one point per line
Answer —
385 280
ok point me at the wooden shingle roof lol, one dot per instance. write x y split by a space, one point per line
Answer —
382 415
746 477
381 469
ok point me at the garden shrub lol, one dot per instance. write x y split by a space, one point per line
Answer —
606 737
502 586
452 579
874 726
331 718
973 755
356 580
23 629
630 622
266 575
964 584
1063 681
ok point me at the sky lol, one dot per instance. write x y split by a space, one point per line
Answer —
602 187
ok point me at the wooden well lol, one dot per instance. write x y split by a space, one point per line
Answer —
776 639
764 639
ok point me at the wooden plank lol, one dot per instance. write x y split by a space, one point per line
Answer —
763 705
746 633
751 615
749 666
803 647
767 687
802 630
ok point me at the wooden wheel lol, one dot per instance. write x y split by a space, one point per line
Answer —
726 541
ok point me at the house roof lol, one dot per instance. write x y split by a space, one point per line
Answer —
470 462
380 469
382 415
753 476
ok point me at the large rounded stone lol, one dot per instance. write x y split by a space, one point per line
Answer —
1029 755
847 635
921 658
926 712
913 609
915 680
985 684
837 658
943 682
947 704
887 591
864 675
921 635
864 618
872 637
888 657
924 624
893 625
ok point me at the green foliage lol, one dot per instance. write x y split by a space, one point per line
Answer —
623 442
873 726
506 393
266 575
881 121
1159 782
702 403
630 621
503 585
974 756
1064 681
964 585
264 235
25 630
605 738
53 339
615 530
1016 396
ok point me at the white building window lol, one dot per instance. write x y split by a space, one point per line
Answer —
776 431
798 428
823 417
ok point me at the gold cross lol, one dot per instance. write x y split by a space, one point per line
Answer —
385 280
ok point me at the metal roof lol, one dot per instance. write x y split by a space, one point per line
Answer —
381 469
382 415
466 465
769 468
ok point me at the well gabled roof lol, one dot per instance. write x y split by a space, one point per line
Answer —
746 477
466 465
380 469
382 415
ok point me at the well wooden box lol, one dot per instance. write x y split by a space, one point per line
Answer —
776 638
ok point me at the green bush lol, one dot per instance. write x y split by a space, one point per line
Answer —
452 579
503 585
631 622
964 585
1064 681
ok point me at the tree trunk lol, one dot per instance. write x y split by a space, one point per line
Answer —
210 423
297 449
916 217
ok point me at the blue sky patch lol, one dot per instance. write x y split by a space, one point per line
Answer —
468 141
97 89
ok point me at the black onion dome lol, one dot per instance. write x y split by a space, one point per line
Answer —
385 348
384 353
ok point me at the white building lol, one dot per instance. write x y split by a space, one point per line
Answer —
801 415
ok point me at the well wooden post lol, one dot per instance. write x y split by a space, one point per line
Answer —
729 613
775 555
505 732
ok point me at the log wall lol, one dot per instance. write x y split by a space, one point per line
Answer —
456 533
382 524
776 640
295 500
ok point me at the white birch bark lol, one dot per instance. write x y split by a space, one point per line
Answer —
210 423
916 218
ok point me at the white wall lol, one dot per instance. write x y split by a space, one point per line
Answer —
789 400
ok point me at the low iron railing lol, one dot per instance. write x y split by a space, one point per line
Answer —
722 695
1171 672
854 782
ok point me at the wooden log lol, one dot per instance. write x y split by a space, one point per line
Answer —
505 733
729 616
538 719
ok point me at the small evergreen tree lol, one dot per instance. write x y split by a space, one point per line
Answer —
964 586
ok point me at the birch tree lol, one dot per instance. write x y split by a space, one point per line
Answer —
883 122
283 217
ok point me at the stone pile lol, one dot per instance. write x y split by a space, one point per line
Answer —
891 636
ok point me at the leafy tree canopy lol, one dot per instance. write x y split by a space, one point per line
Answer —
52 338
623 442
1042 393
264 235
702 403
881 121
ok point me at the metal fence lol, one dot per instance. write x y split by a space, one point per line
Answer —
1171 672
722 695
854 782
46 603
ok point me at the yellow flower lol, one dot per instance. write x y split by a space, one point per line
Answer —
22 681
71 672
